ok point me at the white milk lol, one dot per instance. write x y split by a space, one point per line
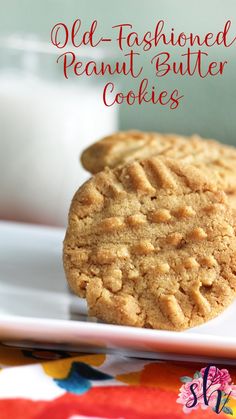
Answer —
44 126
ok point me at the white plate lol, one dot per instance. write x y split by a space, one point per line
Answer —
37 309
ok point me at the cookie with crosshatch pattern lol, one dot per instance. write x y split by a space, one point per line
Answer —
218 160
152 244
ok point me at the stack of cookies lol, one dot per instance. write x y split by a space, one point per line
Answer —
151 236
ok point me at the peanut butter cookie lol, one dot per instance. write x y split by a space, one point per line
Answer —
152 244
124 147
217 160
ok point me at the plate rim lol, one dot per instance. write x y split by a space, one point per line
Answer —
104 329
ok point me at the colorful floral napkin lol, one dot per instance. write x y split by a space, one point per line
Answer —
36 384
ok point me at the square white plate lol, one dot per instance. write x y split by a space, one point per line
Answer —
37 309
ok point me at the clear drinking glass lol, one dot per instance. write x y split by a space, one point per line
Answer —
45 123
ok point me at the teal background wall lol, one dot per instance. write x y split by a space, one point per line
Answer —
209 106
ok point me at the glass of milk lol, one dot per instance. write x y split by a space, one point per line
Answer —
45 123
